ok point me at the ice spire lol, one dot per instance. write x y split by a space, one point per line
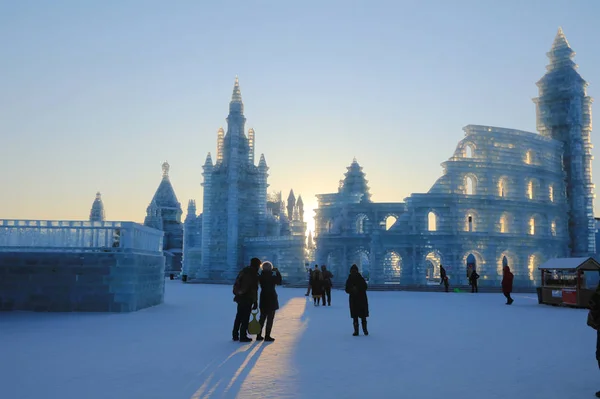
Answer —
236 106
300 205
165 169
191 211
291 203
561 53
97 212
355 182
208 163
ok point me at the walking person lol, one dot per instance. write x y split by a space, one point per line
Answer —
269 302
317 285
442 275
473 281
245 291
507 284
327 284
593 320
446 283
356 287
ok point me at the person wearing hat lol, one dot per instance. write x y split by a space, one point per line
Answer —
269 303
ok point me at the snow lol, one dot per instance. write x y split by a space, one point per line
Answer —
422 345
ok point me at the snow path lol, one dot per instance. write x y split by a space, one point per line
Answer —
422 345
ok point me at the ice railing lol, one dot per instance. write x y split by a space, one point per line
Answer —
68 235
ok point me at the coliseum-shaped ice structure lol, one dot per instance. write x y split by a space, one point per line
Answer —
505 197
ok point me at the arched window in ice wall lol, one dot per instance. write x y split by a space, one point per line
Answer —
468 150
431 221
502 183
533 263
506 259
360 258
433 260
392 266
530 189
528 157
504 223
471 263
470 185
553 228
329 226
361 224
532 225
389 221
470 221
551 193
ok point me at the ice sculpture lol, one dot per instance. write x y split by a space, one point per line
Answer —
239 220
505 196
164 213
97 211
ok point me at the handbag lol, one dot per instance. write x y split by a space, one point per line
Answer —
254 325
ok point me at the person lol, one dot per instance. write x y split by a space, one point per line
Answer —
309 281
446 283
593 321
507 284
245 290
442 275
317 285
473 281
269 303
327 284
356 287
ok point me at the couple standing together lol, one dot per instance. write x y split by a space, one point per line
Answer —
245 291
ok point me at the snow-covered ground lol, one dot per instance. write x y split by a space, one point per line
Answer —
422 345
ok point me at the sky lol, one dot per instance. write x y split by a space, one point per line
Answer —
95 96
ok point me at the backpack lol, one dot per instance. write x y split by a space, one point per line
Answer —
237 285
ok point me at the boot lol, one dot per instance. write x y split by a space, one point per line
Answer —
355 328
364 327
259 337
510 301
598 394
269 339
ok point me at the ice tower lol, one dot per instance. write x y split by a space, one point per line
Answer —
238 220
97 212
564 114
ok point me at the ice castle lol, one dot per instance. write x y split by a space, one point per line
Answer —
505 197
239 219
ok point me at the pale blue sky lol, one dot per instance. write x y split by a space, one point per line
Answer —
96 95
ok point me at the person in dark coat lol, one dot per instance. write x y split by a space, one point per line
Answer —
442 274
473 281
327 284
269 303
507 284
593 321
356 287
246 296
446 283
317 285
309 282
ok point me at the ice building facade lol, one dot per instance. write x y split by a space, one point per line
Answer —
164 213
239 220
505 197
97 211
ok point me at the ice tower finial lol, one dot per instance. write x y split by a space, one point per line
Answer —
237 94
165 169
561 53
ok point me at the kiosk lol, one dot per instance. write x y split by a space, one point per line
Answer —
569 281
